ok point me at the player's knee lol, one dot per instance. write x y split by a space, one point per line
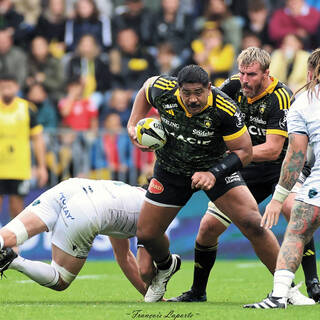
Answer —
145 236
65 277
250 227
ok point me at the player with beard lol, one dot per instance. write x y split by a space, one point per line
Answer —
201 123
263 102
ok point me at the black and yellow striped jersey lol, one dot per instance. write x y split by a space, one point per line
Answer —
263 114
17 123
194 142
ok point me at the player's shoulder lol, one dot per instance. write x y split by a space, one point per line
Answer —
164 82
281 95
231 85
223 102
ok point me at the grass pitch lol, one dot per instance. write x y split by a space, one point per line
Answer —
101 291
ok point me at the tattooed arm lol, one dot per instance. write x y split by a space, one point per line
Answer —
290 170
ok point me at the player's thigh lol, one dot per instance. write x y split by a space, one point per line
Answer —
239 205
67 261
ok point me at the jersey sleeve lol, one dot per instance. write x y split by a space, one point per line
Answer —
35 126
296 122
232 124
231 86
280 104
160 86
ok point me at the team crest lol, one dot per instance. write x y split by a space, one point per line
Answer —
262 108
207 123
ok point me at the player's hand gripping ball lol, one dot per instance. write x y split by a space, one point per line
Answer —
150 133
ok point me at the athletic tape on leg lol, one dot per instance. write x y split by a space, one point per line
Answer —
65 275
219 215
18 228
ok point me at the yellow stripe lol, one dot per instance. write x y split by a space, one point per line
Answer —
235 135
161 87
239 99
227 104
279 99
224 109
278 132
171 82
147 94
288 97
285 102
35 130
285 98
235 77
165 84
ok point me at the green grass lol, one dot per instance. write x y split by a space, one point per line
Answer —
102 292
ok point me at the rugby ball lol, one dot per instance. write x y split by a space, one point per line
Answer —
150 133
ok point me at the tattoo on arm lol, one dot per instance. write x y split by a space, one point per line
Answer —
291 166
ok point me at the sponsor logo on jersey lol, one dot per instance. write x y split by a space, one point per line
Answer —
201 133
256 131
170 106
240 117
283 121
64 206
262 108
257 120
170 123
36 203
190 140
155 186
208 123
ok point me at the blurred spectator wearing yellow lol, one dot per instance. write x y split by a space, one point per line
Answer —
18 123
43 68
212 54
51 25
218 11
289 62
92 67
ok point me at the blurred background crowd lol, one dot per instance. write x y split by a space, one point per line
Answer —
81 63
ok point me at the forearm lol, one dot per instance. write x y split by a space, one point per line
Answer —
129 267
263 152
39 150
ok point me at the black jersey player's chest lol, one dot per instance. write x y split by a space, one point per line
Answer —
256 113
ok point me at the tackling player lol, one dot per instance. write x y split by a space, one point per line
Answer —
76 211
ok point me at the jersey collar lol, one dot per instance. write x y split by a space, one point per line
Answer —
269 89
188 114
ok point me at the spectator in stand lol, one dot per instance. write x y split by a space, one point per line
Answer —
218 11
130 63
173 25
134 15
120 102
51 25
113 149
43 68
213 54
47 114
105 7
258 17
14 22
87 21
29 9
92 67
77 113
250 39
167 60
296 17
289 62
12 59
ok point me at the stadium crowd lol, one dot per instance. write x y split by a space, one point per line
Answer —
81 62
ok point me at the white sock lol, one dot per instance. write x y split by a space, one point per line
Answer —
1 242
282 282
40 272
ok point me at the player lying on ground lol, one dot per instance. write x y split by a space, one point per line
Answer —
76 211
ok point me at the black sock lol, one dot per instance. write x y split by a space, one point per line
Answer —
165 264
309 263
204 258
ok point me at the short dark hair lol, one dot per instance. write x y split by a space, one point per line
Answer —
8 77
193 74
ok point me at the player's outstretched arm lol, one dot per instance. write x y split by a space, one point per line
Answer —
128 263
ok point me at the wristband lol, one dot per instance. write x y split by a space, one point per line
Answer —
280 193
230 164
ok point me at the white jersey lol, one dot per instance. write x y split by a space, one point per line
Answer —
76 210
304 118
